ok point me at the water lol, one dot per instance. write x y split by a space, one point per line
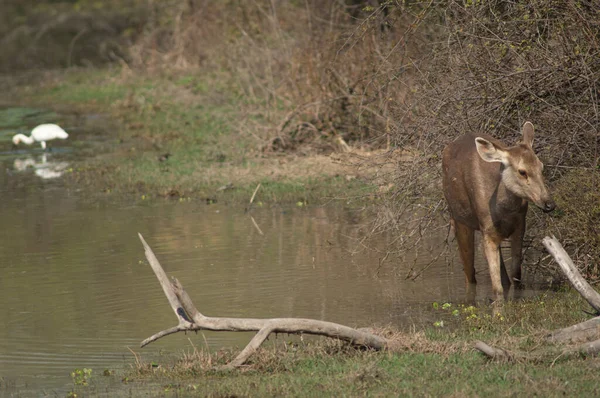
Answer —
76 290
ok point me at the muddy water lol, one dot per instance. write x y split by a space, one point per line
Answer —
75 290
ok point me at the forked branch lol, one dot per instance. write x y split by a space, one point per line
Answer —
191 319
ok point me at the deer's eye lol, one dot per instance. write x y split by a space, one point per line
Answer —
523 173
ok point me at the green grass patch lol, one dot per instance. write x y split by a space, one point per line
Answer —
17 117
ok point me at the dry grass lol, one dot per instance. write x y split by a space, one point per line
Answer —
309 74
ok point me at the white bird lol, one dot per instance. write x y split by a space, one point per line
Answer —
41 134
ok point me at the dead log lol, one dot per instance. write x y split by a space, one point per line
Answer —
495 353
585 330
591 348
190 319
582 331
566 264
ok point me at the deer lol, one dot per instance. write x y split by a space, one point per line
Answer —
488 187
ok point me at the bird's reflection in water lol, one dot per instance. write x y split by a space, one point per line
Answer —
42 167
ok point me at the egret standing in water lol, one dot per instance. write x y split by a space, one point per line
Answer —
41 134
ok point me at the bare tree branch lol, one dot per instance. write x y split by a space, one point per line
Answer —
566 264
191 319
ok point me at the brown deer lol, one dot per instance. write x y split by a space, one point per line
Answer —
487 186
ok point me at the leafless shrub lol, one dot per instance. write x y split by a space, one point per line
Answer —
492 66
37 35
309 74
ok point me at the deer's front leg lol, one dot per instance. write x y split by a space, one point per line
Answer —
491 248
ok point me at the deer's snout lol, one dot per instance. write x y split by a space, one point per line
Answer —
549 205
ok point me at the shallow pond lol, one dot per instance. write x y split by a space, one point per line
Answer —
76 291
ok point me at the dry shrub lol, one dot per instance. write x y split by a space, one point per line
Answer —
578 220
43 34
310 75
492 66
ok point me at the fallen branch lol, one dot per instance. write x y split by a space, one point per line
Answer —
588 348
566 264
191 319
591 348
583 331
496 353
586 330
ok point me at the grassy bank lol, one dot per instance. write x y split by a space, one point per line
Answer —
178 135
430 359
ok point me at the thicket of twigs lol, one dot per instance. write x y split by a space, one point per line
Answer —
310 73
496 64
49 34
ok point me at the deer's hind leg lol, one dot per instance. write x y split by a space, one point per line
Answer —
516 247
465 237
503 274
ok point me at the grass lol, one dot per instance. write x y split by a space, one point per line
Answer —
183 136
410 374
425 361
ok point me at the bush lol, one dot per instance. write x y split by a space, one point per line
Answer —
310 73
494 65
58 34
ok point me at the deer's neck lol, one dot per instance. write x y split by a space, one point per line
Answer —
508 200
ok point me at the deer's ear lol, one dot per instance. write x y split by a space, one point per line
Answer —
528 132
490 152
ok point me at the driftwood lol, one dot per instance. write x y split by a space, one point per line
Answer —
191 319
566 264
583 331
496 353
